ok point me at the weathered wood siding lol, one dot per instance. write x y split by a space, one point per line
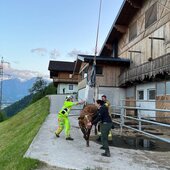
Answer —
149 69
163 102
82 84
65 77
160 28
109 77
131 102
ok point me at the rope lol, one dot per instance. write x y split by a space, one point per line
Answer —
97 32
95 53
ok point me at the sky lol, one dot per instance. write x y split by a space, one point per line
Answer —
33 32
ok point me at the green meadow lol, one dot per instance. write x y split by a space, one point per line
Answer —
17 133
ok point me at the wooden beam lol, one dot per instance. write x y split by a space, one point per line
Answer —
134 4
121 28
109 46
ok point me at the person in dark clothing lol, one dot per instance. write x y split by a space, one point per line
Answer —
106 124
107 104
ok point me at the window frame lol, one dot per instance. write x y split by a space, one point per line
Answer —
160 87
139 95
149 12
148 95
70 85
133 31
99 70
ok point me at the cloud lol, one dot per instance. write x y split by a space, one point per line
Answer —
54 54
39 51
10 73
73 54
15 62
94 49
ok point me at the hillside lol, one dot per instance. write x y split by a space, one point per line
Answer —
17 133
15 89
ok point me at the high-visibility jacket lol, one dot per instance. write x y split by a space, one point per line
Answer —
107 104
65 110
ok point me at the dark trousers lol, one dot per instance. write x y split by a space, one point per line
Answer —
105 128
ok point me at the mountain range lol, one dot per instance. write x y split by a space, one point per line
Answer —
15 89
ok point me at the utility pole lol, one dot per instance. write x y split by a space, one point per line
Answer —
1 79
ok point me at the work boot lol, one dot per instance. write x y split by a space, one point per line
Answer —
98 139
57 135
102 147
107 153
69 138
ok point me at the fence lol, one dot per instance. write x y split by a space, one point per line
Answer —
121 111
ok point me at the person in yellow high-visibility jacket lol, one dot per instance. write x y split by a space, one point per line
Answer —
63 120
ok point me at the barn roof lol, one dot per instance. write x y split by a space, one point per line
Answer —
62 66
128 9
99 60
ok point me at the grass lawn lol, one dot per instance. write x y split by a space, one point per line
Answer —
17 133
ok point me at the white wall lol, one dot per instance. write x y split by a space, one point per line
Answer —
145 103
61 86
114 94
81 94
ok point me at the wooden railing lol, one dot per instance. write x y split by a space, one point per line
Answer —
149 69
65 80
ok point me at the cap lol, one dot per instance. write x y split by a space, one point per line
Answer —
103 95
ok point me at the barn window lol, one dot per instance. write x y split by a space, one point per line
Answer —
99 70
70 87
151 15
160 89
140 95
168 88
132 31
151 94
130 92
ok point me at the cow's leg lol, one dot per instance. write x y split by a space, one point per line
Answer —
82 127
84 131
86 134
87 137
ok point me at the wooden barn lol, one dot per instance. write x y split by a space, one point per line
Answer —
134 62
107 71
62 74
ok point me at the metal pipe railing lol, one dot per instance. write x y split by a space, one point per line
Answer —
140 120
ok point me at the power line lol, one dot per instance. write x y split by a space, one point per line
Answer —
1 79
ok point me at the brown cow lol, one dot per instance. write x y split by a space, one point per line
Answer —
87 115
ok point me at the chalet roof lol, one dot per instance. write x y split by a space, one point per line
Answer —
62 66
127 11
99 60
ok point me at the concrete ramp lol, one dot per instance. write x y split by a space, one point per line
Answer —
56 102
75 155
